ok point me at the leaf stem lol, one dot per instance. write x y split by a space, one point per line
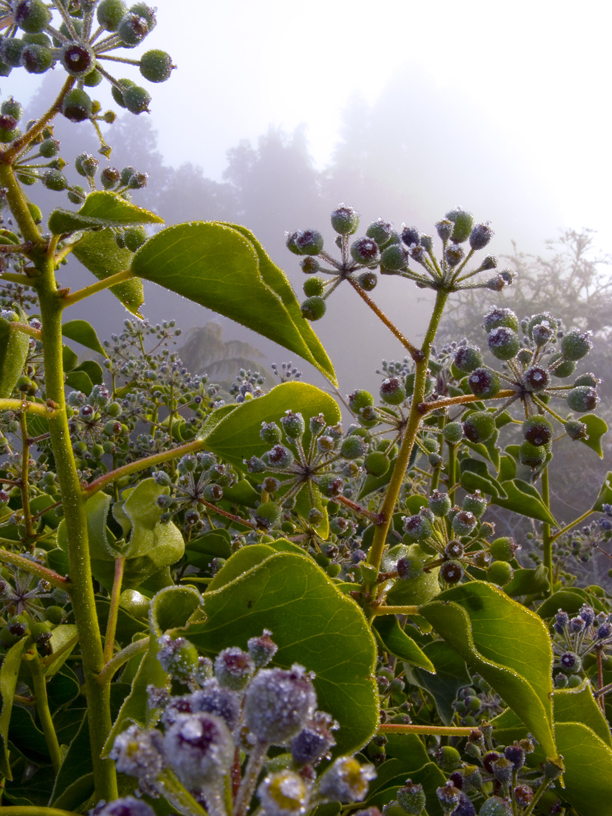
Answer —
142 464
99 286
113 665
447 402
395 610
546 538
113 612
48 411
413 350
570 525
42 709
442 730
414 421
33 568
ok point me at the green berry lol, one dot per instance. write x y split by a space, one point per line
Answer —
484 383
576 344
313 308
118 93
31 15
497 317
467 359
36 59
464 523
132 29
448 758
538 430
93 78
345 220
412 798
475 503
532 455
453 432
576 429
560 367
503 549
136 99
382 232
49 148
268 513
35 212
156 66
146 11
365 251
368 280
463 222
353 447
582 399
392 391
110 13
309 242
76 105
376 463
314 287
10 107
10 51
503 343
360 399
417 528
54 180
394 257
500 573
479 426
134 238
587 379
440 503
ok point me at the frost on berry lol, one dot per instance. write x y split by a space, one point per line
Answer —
314 740
125 806
262 649
284 793
139 753
233 668
346 781
200 749
278 703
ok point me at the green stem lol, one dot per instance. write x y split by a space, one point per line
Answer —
113 612
414 421
113 666
572 524
25 478
83 600
442 730
538 794
27 565
44 715
169 786
142 464
451 468
30 810
395 610
546 538
81 294
414 352
465 399
25 329
31 407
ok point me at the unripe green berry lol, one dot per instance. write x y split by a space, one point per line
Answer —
313 287
76 105
500 573
560 367
110 13
309 242
49 148
587 379
31 15
365 251
54 180
10 107
576 344
93 78
368 280
132 29
360 399
440 503
475 503
392 391
467 359
382 232
55 614
376 463
503 343
310 265
453 432
118 93
268 513
497 317
136 99
503 549
576 429
484 383
412 798
78 59
156 65
313 308
345 220
353 447
582 399
417 528
448 758
531 455
496 806
10 51
479 426
134 238
394 257
538 430
463 222
464 523
36 59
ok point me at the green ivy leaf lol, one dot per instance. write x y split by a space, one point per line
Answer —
84 333
394 639
220 267
580 705
475 476
507 644
605 494
312 623
588 769
80 381
212 544
596 428
524 500
528 582
75 765
14 346
99 253
451 675
236 436
93 371
9 671
101 209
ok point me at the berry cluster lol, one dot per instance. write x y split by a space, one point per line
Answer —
237 703
390 251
